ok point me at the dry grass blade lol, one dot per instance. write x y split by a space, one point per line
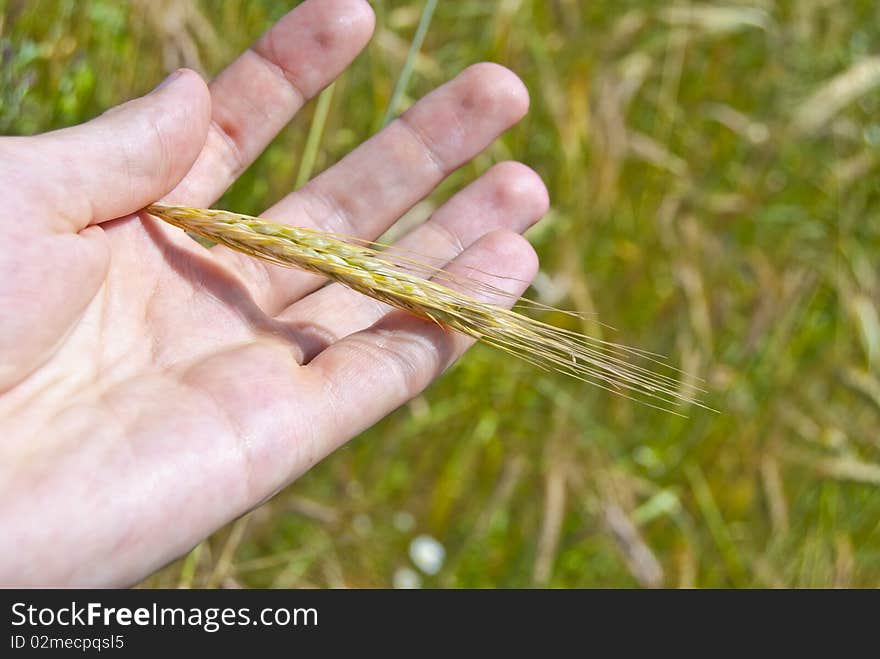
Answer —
401 282
836 94
716 20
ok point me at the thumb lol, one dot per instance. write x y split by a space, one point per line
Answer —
131 155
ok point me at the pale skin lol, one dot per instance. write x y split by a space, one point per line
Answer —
152 390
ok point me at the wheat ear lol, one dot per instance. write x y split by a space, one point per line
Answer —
400 280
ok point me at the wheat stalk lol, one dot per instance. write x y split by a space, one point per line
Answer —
400 280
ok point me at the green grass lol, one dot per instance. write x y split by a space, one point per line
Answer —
687 212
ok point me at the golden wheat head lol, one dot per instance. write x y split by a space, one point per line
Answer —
401 281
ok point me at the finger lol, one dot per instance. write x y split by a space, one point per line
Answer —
370 188
258 94
377 370
121 161
508 196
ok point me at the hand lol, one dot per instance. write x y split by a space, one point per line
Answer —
151 390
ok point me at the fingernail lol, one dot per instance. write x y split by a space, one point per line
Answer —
171 78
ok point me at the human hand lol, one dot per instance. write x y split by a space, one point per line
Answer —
151 390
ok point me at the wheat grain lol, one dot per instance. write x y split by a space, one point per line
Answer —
402 281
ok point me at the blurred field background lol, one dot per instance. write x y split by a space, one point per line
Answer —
714 170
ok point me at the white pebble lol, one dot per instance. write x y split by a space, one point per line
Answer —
406 579
427 554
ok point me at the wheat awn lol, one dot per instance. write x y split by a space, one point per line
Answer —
411 284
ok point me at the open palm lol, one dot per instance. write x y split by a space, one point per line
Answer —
151 389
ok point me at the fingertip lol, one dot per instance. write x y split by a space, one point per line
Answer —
175 124
184 76
339 23
314 42
495 88
362 18
189 91
510 254
517 186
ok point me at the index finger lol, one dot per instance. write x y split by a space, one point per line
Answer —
259 93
